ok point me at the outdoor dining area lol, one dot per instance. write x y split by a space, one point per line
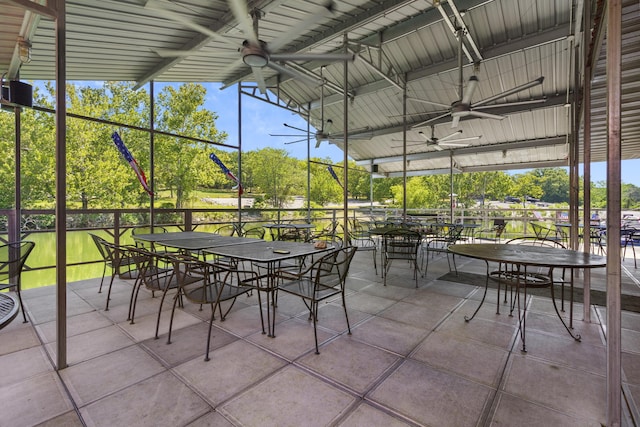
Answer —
197 328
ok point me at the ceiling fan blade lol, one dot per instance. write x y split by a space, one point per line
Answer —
424 101
454 144
175 53
159 6
471 88
506 93
444 138
426 138
315 15
294 74
511 104
437 147
455 121
421 124
453 141
240 12
328 57
293 127
295 142
257 73
484 115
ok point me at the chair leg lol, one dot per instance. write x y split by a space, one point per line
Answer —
173 309
315 324
375 266
104 272
24 315
206 354
106 308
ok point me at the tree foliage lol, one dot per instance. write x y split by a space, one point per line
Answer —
98 177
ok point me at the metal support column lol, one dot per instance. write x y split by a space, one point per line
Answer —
61 185
614 323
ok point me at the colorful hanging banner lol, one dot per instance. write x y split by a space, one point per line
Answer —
333 174
132 162
227 172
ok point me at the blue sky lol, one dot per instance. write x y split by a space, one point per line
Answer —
261 119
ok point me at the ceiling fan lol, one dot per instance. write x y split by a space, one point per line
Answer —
324 134
442 143
463 107
254 52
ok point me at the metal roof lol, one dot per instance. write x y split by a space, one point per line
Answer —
399 44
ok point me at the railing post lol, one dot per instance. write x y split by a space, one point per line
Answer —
188 220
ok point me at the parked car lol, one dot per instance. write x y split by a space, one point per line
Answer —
512 199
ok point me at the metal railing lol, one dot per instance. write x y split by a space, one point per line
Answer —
37 224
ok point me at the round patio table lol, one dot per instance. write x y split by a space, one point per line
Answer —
8 309
523 256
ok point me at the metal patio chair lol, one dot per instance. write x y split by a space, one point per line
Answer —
13 257
322 280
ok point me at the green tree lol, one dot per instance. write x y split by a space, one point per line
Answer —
179 164
554 183
325 189
276 175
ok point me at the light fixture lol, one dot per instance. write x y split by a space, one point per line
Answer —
24 50
254 56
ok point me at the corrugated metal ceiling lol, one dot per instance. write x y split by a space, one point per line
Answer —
399 43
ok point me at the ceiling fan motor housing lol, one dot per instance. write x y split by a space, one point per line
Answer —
254 56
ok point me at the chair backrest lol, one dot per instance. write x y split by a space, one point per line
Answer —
147 229
454 233
105 253
535 241
227 230
154 269
331 270
13 257
255 232
539 230
401 242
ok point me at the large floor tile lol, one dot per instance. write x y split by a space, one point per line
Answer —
564 350
187 343
293 338
93 344
432 397
415 315
17 336
34 401
100 376
512 411
231 369
351 363
568 390
478 329
24 364
145 326
162 400
389 334
367 415
289 398
466 358
75 325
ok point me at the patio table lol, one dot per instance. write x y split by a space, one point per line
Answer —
8 309
522 257
269 254
192 240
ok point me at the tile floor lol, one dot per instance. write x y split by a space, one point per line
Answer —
411 360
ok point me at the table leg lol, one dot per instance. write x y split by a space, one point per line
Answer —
569 328
486 286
